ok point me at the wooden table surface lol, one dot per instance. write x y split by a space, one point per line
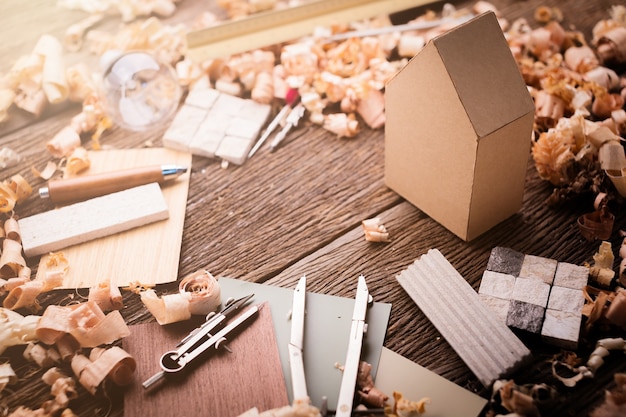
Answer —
299 211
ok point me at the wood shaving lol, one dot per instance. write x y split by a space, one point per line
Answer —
12 191
128 10
64 142
8 157
62 387
45 357
16 329
341 124
603 349
199 293
406 408
374 230
73 39
23 292
7 376
107 296
86 322
371 396
76 162
113 364
205 292
47 172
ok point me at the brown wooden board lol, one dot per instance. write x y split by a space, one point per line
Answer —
222 384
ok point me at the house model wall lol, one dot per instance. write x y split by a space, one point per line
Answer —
458 129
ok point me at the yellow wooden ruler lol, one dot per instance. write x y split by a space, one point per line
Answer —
272 27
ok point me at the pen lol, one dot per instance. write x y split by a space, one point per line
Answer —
89 186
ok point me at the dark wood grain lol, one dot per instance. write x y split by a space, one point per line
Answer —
221 383
298 210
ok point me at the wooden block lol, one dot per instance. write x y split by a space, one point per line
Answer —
531 290
566 299
538 267
497 284
487 346
525 316
571 276
561 328
505 260
151 252
220 384
102 216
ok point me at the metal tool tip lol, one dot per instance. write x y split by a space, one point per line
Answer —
44 192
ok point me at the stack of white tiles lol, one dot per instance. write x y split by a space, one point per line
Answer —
536 295
214 124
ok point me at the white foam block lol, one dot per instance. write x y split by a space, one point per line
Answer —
101 216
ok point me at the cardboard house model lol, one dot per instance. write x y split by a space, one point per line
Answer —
458 129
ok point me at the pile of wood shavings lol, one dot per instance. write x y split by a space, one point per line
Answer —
577 89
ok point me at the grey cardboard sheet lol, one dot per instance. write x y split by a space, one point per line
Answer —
447 399
327 327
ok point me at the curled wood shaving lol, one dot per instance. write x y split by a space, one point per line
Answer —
64 142
374 230
8 157
107 296
7 376
54 83
12 191
45 357
16 329
73 39
403 407
86 322
371 396
128 10
341 124
11 260
596 359
77 162
522 400
47 172
204 289
199 293
113 364
23 293
62 387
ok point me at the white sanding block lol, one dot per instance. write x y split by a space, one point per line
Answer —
102 216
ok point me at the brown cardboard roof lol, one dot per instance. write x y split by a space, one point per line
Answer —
484 73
